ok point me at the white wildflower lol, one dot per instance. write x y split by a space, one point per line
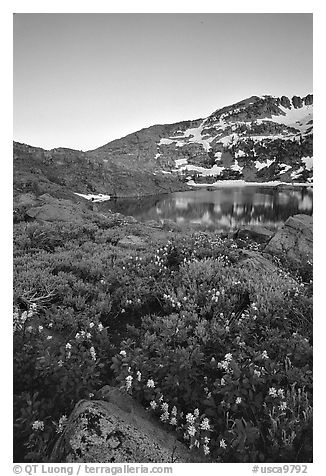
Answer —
174 411
272 392
222 443
93 353
283 406
173 421
49 337
238 400
100 327
129 380
205 424
153 404
196 412
165 416
68 346
206 450
228 357
150 383
264 355
165 406
91 324
38 425
40 328
190 418
191 430
123 353
138 375
280 393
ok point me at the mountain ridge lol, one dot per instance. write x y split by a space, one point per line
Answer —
261 138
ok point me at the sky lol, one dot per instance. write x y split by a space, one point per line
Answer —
82 80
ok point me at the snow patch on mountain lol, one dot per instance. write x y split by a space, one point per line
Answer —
261 165
95 198
297 118
308 161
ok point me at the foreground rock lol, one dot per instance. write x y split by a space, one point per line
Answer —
259 234
56 209
116 430
294 240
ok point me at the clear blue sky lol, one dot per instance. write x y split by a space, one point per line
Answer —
81 80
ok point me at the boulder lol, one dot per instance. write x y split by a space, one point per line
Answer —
132 241
294 240
116 430
55 209
259 234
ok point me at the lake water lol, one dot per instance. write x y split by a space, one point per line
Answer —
223 209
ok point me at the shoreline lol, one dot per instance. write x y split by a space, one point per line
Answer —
243 183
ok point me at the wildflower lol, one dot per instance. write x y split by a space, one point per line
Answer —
93 353
190 418
150 383
138 375
173 421
68 346
88 335
49 337
174 411
222 382
40 328
223 365
164 416
206 450
100 327
196 443
228 357
91 324
129 380
165 407
38 425
272 392
257 373
205 424
60 363
196 412
222 443
91 395
29 328
264 355
77 336
238 400
61 424
280 393
123 353
153 404
206 440
50 325
191 430
283 406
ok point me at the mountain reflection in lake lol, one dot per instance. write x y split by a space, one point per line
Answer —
222 209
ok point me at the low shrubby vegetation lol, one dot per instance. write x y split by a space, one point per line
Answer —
221 353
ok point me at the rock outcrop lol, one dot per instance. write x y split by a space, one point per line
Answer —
116 430
54 209
294 240
259 234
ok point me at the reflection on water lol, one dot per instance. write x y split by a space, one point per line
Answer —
224 208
